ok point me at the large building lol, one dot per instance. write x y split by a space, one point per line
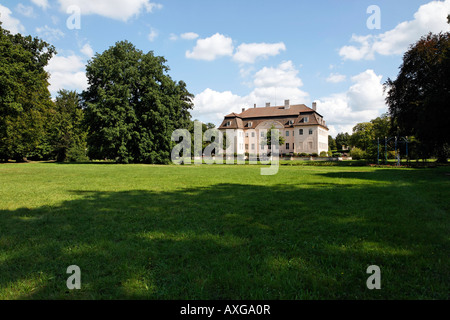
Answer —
302 128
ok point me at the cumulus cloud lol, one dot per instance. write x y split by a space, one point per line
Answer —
114 9
336 78
10 23
27 11
189 36
212 106
49 34
153 35
212 48
431 17
87 50
250 52
41 3
66 73
362 102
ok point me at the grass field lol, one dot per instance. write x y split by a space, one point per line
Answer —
223 232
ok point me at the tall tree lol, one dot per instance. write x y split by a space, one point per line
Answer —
268 140
25 101
331 144
362 136
419 98
68 135
133 106
342 139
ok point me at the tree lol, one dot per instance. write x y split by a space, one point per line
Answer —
68 134
419 98
133 106
25 101
362 136
331 144
342 139
268 140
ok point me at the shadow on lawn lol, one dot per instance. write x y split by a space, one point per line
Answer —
229 241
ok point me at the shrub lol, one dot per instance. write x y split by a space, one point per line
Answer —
303 154
314 155
357 154
324 154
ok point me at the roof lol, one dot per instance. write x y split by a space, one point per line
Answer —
251 118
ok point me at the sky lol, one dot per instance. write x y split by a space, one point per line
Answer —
234 54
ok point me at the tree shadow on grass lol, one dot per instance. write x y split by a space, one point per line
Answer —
227 241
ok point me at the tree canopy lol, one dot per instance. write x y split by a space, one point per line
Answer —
419 98
133 106
25 101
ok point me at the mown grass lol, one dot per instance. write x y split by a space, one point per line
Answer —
223 232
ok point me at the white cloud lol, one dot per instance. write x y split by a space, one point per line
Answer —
362 102
114 9
431 17
87 50
211 48
189 36
336 78
153 35
285 75
49 34
10 23
66 73
212 106
41 3
27 11
249 52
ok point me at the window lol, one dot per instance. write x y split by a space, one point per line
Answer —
305 119
300 132
293 146
246 134
291 122
310 145
246 147
250 124
253 134
228 124
262 134
287 133
287 146
253 146
310 131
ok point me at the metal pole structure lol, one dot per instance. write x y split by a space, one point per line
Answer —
378 156
385 149
396 155
407 155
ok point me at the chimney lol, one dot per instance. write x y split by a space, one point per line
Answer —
254 106
287 104
267 104
314 106
243 109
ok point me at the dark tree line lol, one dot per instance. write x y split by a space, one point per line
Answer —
127 114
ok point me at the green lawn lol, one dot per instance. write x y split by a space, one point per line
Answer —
223 232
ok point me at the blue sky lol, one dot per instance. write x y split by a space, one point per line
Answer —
234 54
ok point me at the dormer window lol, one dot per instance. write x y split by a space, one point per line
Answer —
291 122
228 124
305 119
250 124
